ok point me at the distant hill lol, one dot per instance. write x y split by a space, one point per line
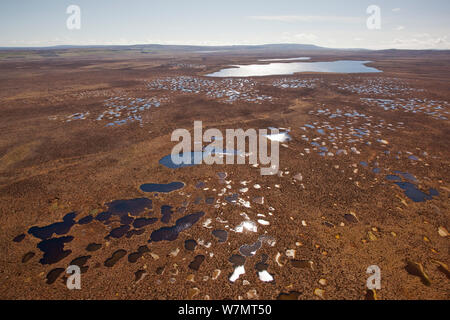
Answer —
277 47
287 46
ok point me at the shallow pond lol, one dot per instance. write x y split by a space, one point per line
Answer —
277 68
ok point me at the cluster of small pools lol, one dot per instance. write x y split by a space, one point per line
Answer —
435 109
377 86
133 216
226 90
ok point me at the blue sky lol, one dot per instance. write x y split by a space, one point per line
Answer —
412 24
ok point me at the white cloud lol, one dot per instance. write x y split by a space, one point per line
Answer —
421 41
399 28
306 37
339 19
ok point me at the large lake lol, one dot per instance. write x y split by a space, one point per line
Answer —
272 69
285 59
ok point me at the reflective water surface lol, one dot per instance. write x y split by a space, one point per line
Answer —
277 68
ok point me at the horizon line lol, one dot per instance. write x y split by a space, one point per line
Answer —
3 47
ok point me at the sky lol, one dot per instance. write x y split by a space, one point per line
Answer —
404 24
